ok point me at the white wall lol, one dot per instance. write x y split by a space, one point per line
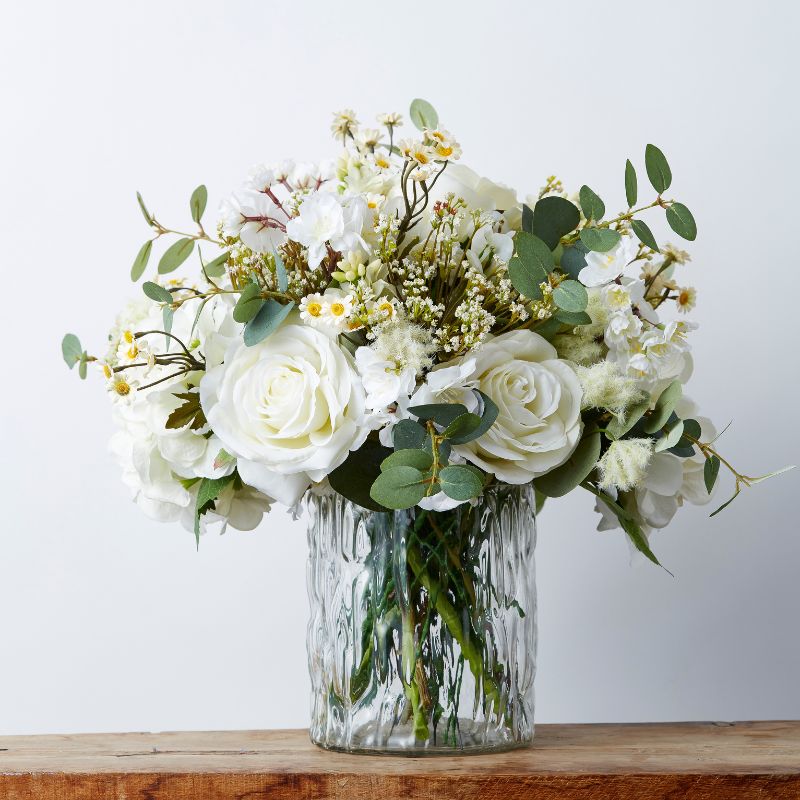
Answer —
111 622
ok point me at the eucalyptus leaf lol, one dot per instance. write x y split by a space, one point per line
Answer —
710 472
681 221
148 217
573 259
600 240
440 413
671 436
423 115
570 295
266 321
644 234
156 292
573 318
460 430
71 349
618 427
82 367
399 487
527 218
574 471
591 205
554 217
488 415
525 279
408 433
460 482
534 253
167 315
280 272
658 170
197 202
140 262
665 405
175 255
419 459
248 304
631 187
216 268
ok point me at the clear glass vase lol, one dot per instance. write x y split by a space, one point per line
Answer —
422 637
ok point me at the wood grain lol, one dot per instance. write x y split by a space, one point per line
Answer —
601 762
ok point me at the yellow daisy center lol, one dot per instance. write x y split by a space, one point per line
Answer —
315 309
337 309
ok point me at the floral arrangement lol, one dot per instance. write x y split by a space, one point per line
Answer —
399 330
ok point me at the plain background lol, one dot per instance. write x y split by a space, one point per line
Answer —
109 621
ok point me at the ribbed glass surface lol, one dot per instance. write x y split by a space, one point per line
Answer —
422 637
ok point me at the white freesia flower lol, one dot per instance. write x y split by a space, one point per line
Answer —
384 380
289 408
539 401
602 268
255 219
326 218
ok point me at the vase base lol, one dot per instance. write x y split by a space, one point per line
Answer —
470 739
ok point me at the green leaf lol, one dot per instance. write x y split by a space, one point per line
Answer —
175 255
573 318
156 292
658 170
631 188
216 268
197 202
488 416
525 280
726 503
619 427
189 412
574 471
354 478
710 472
460 430
266 321
167 315
423 114
82 367
207 495
419 459
71 349
644 234
248 304
591 205
570 295
671 437
573 259
680 219
140 262
407 434
280 272
554 217
664 407
639 540
527 218
691 427
223 458
399 487
148 217
534 253
600 240
441 413
540 501
460 482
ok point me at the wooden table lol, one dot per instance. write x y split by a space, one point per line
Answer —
686 760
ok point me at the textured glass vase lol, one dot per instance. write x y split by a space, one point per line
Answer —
422 637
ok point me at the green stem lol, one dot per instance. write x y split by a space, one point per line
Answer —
451 618
409 659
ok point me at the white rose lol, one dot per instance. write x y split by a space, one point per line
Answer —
476 191
289 408
539 401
